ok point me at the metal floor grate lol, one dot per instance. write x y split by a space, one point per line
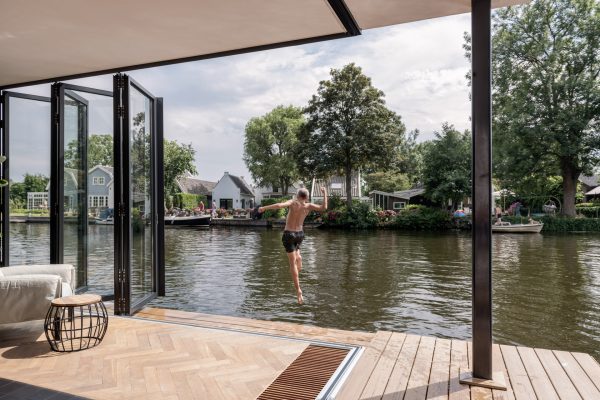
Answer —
307 375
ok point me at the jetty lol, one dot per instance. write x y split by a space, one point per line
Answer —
170 354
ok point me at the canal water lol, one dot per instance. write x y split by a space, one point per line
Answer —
546 287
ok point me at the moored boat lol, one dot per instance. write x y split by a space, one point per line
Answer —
507 227
191 220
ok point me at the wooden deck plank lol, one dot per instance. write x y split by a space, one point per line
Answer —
380 376
590 366
582 382
419 376
559 378
396 387
440 371
477 392
253 325
361 373
537 375
521 385
499 365
459 360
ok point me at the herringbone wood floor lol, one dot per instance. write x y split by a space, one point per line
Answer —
150 360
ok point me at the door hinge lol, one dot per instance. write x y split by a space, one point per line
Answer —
121 111
1 124
120 81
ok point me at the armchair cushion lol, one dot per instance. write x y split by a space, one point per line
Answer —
26 297
65 271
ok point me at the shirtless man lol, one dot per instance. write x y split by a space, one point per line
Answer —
293 235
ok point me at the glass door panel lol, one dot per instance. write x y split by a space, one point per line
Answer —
140 198
75 207
81 191
24 203
139 208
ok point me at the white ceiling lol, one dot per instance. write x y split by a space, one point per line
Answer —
378 13
46 39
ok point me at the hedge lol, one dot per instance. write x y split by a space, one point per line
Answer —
186 201
276 214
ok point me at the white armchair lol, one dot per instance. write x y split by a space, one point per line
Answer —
27 290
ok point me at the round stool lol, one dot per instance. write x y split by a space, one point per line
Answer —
76 323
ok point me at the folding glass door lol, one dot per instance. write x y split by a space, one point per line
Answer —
139 199
25 141
80 193
95 174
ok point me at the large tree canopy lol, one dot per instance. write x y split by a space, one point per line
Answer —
178 160
269 147
349 128
447 166
100 152
546 66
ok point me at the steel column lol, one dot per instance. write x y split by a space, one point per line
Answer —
482 187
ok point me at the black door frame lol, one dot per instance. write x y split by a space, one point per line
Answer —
122 194
57 131
5 167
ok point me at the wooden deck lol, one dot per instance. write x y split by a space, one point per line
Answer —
199 356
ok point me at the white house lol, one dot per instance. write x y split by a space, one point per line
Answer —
233 192
274 192
336 185
192 185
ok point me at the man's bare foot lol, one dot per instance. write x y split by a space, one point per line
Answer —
300 298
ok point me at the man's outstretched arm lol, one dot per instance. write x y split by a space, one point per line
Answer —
275 206
320 207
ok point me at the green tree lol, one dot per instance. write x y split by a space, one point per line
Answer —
100 152
546 66
269 147
447 166
387 181
179 159
31 183
349 128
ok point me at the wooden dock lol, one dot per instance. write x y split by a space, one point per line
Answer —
168 354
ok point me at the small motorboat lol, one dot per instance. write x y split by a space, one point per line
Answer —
105 217
507 227
189 220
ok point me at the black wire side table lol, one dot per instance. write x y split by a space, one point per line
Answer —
75 323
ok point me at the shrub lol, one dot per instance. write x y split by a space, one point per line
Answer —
360 216
336 202
423 218
187 201
276 214
590 210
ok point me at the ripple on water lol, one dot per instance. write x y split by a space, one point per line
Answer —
546 287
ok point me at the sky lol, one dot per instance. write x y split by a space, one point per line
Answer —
420 67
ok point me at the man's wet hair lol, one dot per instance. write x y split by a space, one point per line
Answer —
302 194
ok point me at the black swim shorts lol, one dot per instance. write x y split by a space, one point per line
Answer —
292 240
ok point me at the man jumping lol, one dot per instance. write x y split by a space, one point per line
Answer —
293 235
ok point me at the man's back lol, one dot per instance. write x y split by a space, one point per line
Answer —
297 212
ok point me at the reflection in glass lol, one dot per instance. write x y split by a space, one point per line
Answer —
75 185
140 168
29 147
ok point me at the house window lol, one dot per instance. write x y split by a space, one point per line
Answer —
399 205
275 189
98 180
98 201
